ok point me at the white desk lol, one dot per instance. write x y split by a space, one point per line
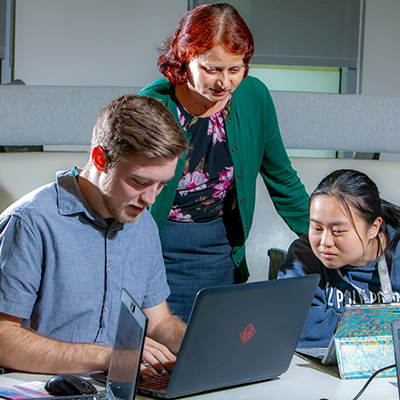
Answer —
300 382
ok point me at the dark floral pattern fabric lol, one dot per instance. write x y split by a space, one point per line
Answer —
207 183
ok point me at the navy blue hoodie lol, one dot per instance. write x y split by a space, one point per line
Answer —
333 291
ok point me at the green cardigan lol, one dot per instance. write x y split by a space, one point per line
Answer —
256 147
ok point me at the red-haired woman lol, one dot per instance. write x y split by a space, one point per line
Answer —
205 213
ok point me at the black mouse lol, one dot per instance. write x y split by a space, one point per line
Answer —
65 385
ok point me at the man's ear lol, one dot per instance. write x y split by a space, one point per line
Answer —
99 158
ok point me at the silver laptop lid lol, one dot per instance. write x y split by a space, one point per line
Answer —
127 350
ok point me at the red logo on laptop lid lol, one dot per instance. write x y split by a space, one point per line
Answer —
247 333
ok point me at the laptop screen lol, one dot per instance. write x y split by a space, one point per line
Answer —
127 352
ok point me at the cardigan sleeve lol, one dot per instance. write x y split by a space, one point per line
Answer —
285 188
258 148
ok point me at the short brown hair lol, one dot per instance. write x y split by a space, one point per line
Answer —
198 31
138 125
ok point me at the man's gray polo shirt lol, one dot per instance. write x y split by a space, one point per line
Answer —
62 267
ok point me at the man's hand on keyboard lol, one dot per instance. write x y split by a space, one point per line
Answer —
156 358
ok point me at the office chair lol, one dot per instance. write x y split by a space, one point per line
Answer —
276 257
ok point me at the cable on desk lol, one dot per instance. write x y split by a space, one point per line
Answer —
370 380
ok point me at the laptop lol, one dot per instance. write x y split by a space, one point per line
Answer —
359 326
123 372
396 345
122 377
236 335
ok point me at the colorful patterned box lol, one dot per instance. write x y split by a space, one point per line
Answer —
363 340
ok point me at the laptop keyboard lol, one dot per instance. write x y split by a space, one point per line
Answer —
97 397
156 382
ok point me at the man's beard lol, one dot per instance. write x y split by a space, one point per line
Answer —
122 211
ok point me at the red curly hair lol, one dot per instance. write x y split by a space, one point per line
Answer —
198 31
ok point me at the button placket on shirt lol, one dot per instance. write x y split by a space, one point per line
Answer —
109 269
240 175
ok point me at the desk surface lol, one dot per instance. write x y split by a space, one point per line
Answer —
301 382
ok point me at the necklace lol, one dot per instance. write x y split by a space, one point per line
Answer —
383 277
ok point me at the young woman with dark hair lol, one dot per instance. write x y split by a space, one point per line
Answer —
353 243
205 214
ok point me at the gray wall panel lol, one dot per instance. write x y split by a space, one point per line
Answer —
62 115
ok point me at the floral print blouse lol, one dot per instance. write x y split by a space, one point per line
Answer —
207 182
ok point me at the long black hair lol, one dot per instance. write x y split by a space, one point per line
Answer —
356 189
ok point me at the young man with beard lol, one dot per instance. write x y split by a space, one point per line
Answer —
68 248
